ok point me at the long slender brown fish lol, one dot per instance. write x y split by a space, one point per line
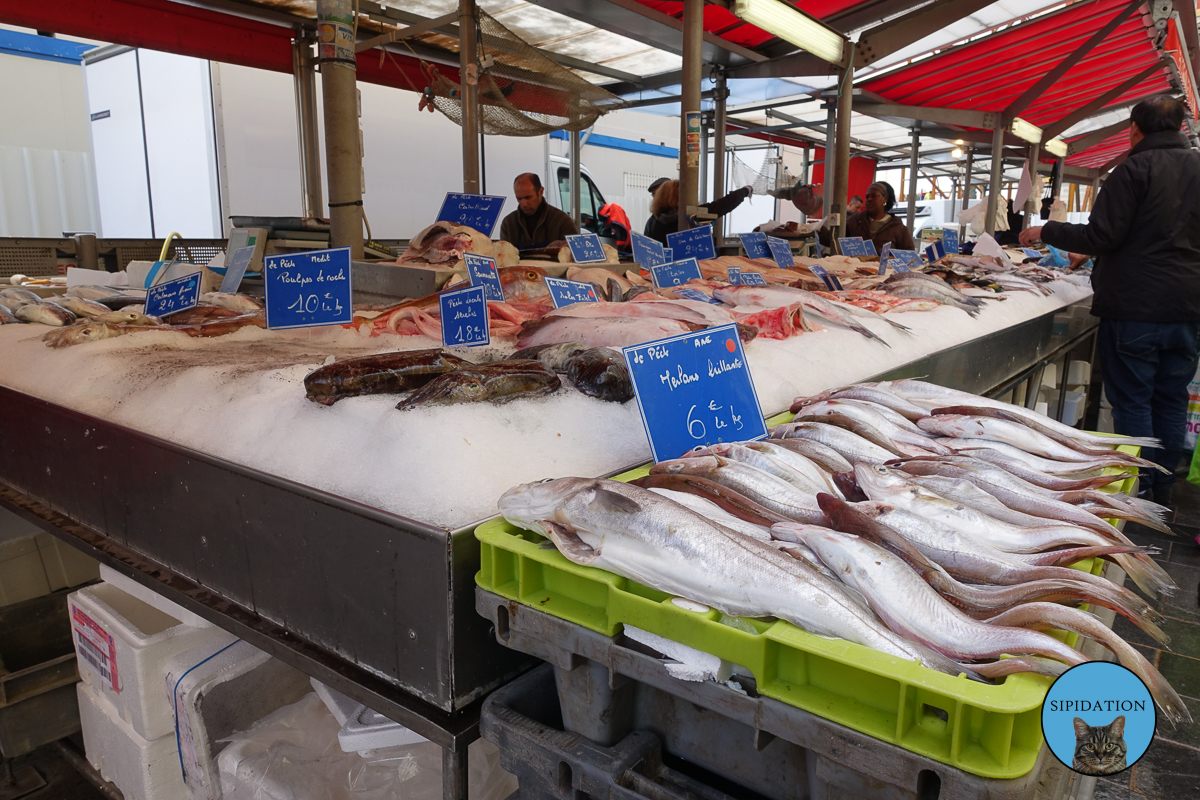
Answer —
383 373
498 382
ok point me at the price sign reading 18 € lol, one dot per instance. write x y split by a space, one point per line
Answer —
465 317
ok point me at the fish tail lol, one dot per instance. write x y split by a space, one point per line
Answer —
1146 573
1010 666
1047 615
896 325
1140 441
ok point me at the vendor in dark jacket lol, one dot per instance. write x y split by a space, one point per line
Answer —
875 222
535 223
1144 232
664 208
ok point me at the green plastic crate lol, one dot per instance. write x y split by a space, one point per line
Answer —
989 730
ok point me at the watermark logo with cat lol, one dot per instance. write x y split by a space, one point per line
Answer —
1098 718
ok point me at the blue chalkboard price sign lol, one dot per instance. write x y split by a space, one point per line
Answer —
750 278
734 275
830 280
755 244
694 389
465 317
781 251
1031 253
478 211
564 292
174 296
647 252
950 241
482 270
306 290
853 246
586 249
693 243
675 273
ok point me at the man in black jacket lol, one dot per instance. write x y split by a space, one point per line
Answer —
1144 232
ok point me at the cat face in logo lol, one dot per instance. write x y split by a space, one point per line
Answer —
1100 749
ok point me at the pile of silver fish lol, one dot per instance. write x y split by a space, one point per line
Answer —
930 524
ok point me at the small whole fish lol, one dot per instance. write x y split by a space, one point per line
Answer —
498 382
116 302
198 314
850 445
23 295
823 456
601 372
7 317
13 303
383 373
91 292
725 498
82 307
764 460
763 488
232 301
84 332
45 313
553 356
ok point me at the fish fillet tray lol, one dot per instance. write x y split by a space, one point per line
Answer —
993 731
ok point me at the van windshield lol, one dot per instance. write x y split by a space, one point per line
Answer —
590 199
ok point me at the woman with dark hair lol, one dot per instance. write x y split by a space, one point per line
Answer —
664 208
875 222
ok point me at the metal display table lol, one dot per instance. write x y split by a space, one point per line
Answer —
378 606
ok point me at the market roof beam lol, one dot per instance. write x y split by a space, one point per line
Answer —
1094 107
1094 138
643 24
1016 107
942 116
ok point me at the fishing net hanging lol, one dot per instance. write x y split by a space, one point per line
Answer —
772 175
521 91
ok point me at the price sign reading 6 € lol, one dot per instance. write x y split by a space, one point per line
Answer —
694 389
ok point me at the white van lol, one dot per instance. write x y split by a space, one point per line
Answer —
558 193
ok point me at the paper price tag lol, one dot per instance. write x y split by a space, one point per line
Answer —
465 317
755 244
694 243
171 297
482 272
564 292
750 278
647 252
950 241
478 211
306 290
235 270
586 248
96 647
675 273
781 251
694 389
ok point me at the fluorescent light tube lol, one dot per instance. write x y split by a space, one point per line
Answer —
792 25
1056 146
1025 130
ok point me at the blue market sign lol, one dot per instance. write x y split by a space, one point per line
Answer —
675 273
755 245
564 292
647 252
171 297
310 289
586 249
482 272
781 251
478 211
464 317
693 243
694 389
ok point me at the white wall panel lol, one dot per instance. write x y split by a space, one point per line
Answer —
119 147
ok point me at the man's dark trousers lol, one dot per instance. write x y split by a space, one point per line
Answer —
1147 367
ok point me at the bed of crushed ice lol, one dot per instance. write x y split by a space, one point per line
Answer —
241 398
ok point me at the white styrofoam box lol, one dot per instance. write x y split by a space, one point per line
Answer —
216 689
150 597
1073 407
1050 376
342 707
65 566
123 644
22 576
143 769
370 730
1042 408
1079 373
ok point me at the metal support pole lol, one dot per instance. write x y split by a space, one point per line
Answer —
689 162
720 94
967 179
804 165
913 165
576 148
703 195
841 178
997 175
305 84
339 95
830 161
454 774
1033 201
468 67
